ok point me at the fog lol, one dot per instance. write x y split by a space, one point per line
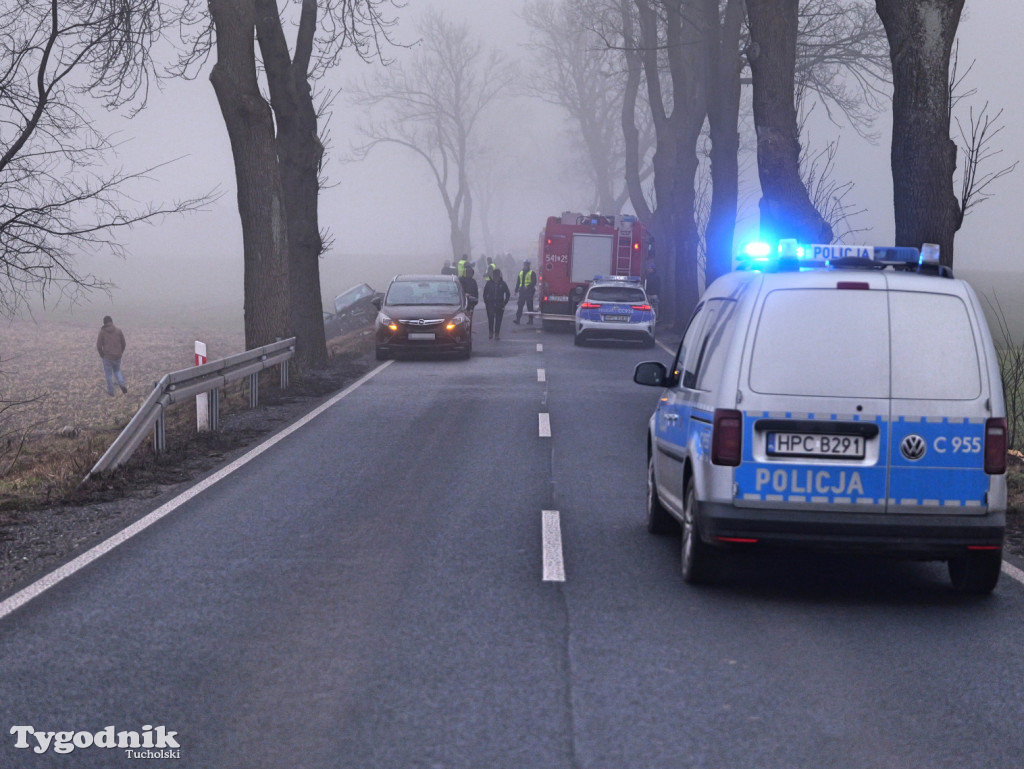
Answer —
385 215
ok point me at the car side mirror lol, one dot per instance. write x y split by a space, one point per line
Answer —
651 373
376 301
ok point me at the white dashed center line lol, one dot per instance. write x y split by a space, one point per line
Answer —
544 424
541 376
540 347
551 541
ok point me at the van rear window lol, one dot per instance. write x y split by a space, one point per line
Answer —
934 353
822 342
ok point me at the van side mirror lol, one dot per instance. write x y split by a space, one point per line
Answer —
376 301
651 373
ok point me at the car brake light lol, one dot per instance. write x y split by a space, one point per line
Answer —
995 446
590 306
727 437
642 307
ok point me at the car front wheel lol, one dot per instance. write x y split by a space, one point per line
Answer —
699 559
382 354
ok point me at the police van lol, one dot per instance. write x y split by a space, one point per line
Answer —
833 397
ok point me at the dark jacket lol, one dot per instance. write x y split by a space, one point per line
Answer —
110 343
496 293
469 286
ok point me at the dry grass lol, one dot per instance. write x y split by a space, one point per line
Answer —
60 419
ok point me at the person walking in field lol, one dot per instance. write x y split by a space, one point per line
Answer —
496 296
110 345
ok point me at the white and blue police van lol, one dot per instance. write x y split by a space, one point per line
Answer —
833 397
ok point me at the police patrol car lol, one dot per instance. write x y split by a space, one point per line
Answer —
833 397
615 308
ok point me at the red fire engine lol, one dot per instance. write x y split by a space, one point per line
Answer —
574 248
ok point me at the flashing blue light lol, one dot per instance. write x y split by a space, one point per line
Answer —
757 250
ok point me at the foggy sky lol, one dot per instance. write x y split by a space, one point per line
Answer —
387 205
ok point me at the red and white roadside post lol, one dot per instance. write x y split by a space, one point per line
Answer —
202 399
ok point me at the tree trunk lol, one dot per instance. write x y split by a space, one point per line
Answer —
675 159
786 208
724 68
921 35
299 153
250 127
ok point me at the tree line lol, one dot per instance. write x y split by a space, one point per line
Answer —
653 87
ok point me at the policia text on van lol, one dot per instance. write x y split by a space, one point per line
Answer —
831 398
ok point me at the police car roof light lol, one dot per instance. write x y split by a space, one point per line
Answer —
621 278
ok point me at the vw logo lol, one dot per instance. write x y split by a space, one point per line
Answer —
913 447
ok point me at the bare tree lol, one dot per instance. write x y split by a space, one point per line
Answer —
579 69
785 203
57 196
276 142
664 49
921 35
432 105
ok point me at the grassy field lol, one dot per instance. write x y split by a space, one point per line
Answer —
56 416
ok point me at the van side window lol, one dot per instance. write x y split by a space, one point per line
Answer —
689 339
716 343
697 350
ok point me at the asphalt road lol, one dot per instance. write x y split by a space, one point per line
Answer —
382 588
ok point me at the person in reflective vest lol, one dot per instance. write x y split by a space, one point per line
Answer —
462 265
490 268
526 284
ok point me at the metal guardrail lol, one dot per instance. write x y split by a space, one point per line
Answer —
182 385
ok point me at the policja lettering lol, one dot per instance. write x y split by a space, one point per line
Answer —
809 482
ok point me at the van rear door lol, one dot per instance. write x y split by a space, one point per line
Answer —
939 402
815 395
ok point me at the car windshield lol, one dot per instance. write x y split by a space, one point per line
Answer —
625 294
424 292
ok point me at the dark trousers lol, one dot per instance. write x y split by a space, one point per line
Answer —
525 297
494 316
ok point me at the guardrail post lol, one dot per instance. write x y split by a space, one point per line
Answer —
215 409
284 375
254 390
160 433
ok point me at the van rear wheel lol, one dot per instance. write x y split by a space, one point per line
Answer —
977 572
700 562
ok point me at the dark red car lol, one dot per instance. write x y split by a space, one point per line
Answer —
424 313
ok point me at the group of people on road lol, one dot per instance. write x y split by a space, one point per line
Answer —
497 293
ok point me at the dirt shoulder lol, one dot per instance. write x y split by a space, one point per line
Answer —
34 542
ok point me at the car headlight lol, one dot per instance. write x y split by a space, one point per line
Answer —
387 322
458 319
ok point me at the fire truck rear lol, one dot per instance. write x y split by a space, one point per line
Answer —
574 248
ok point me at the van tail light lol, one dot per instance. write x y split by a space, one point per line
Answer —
590 306
642 307
995 446
727 438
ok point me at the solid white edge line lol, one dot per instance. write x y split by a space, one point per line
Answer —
44 583
1013 572
665 347
551 541
544 424
541 375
